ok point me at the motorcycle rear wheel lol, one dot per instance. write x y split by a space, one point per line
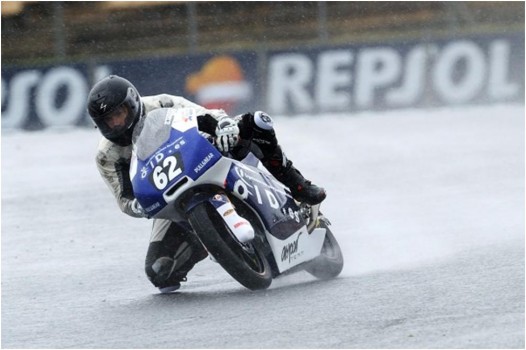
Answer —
243 261
330 262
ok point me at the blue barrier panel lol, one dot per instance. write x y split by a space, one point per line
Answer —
466 70
56 95
350 78
220 81
42 97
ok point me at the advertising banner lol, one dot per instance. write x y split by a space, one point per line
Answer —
351 78
56 96
396 75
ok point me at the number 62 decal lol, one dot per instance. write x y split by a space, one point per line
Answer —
169 169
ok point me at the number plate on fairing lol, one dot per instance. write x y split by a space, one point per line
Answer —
169 148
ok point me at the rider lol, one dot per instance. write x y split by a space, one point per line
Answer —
116 107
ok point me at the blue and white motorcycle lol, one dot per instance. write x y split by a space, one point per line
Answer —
246 219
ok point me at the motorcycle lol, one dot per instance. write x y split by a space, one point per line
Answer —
246 219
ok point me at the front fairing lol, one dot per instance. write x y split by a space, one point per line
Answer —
168 150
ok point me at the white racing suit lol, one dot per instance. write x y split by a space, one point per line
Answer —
172 251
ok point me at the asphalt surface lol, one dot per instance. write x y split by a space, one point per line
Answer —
428 208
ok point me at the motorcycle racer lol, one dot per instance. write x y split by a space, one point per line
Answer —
117 109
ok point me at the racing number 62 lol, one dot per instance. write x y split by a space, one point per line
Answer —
169 170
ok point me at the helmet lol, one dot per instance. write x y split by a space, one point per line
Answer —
115 106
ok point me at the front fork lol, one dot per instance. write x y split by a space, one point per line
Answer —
240 227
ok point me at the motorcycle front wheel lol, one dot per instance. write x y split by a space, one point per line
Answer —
243 261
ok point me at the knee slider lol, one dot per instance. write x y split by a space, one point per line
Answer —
160 270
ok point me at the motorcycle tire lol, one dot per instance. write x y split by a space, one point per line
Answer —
243 261
330 262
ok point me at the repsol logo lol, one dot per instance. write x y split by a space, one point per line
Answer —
56 97
289 250
373 77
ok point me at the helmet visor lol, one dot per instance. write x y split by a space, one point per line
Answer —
117 118
116 122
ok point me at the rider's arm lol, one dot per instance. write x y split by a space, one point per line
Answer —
206 120
171 101
113 163
207 123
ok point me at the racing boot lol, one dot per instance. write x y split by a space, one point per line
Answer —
301 189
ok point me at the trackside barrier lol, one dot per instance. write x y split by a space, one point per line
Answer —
350 78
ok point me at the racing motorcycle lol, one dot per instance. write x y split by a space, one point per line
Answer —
246 219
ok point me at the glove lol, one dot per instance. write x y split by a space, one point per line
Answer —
227 134
137 209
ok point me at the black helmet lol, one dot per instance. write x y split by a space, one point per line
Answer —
115 106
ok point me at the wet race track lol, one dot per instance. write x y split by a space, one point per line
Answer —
428 207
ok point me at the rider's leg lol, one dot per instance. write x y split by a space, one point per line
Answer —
172 253
258 127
